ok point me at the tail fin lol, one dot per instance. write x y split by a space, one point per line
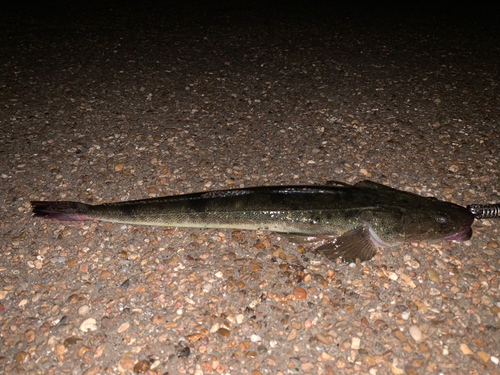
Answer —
62 210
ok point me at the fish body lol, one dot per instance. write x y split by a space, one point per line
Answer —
345 221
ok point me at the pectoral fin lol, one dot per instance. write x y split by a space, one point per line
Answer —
351 245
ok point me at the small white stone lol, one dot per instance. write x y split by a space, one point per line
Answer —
392 276
255 338
215 328
494 360
240 318
416 333
88 324
405 315
355 343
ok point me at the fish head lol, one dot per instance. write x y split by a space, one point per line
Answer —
420 218
438 220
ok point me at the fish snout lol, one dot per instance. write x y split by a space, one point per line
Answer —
463 235
464 230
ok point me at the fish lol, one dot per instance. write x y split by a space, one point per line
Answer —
340 220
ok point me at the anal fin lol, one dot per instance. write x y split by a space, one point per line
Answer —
350 246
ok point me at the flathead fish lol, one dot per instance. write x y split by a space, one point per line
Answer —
342 220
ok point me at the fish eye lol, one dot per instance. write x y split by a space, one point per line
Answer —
441 219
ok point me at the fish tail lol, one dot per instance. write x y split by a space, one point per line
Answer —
60 210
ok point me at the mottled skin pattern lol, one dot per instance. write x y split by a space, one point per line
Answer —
317 213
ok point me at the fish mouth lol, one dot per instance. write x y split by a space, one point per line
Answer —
463 235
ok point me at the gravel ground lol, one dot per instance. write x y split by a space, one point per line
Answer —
112 102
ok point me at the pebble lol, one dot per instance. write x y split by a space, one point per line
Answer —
433 275
83 349
194 336
262 349
255 338
416 333
292 335
478 342
244 345
22 357
123 327
89 324
59 350
71 341
465 349
105 274
142 367
300 293
400 335
126 364
255 267
327 340
83 310
325 357
157 319
485 357
355 343
223 332
30 335
94 370
184 352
